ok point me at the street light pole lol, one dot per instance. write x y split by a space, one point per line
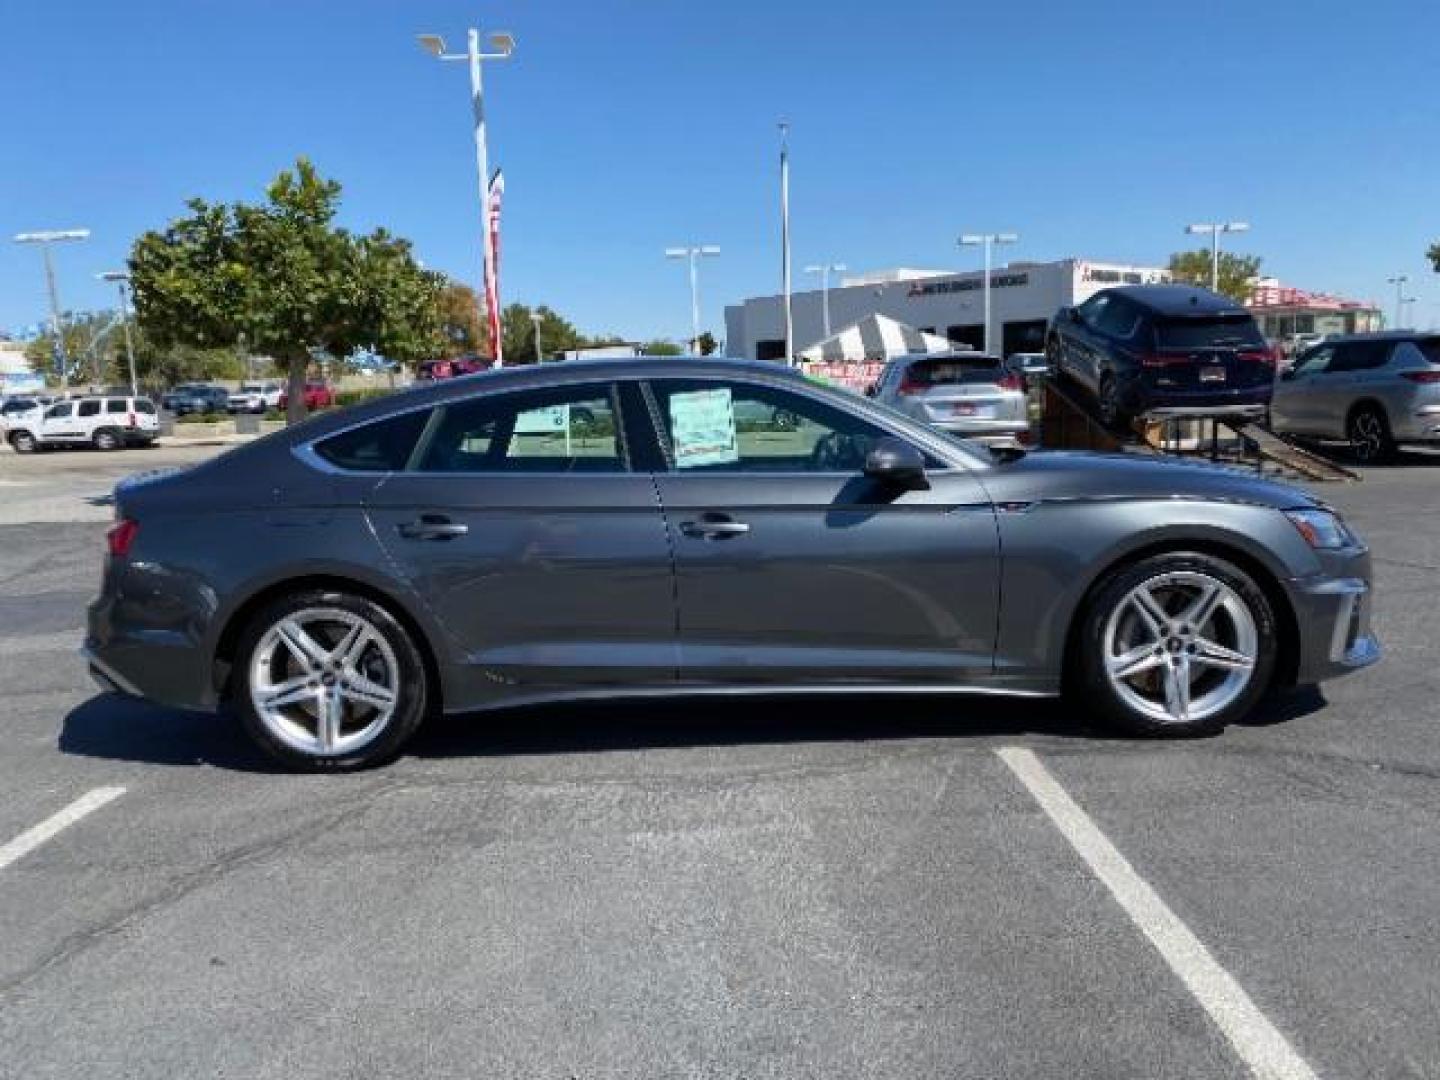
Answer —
1399 281
121 279
785 241
504 44
535 322
693 253
1214 229
824 270
987 241
45 238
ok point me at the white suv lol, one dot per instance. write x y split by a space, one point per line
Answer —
256 397
106 423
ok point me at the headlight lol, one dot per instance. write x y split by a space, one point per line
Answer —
1322 529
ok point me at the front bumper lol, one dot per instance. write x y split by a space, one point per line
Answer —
1332 612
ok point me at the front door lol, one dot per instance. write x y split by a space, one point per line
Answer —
523 528
793 567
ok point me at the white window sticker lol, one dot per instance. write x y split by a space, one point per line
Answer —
550 420
702 425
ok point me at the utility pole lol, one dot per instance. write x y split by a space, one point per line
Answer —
987 241
824 271
785 241
121 279
1213 229
504 45
45 238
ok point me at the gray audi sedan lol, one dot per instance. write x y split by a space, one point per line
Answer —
687 526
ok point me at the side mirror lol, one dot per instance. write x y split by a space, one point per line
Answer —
895 462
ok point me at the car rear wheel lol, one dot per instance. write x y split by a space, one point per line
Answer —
22 442
105 439
1369 434
1177 645
330 682
1111 414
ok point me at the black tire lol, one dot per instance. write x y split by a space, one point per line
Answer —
411 683
1107 703
105 440
1368 429
1107 401
22 442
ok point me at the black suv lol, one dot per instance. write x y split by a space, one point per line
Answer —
1162 348
195 398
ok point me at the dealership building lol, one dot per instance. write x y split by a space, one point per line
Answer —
1023 298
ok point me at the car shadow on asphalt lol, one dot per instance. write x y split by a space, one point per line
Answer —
117 728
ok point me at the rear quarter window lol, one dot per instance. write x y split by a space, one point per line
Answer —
143 405
381 446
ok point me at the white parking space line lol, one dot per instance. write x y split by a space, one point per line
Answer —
31 839
1260 1045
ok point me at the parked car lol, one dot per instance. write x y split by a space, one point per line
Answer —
105 423
1158 349
1375 391
965 393
1029 364
255 397
200 398
452 368
466 552
318 395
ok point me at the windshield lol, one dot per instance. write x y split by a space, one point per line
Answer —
1209 332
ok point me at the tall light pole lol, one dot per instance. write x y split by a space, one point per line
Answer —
535 323
45 238
1213 229
503 44
824 270
695 252
1399 281
987 241
785 240
121 280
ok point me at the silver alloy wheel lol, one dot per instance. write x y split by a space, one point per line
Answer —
1181 647
324 681
1367 435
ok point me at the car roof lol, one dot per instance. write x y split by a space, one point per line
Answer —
1178 300
1381 335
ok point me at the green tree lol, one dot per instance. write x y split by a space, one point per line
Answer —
1434 256
283 276
461 324
517 331
1235 276
707 343
661 347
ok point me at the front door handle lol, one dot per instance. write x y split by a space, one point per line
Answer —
713 527
432 527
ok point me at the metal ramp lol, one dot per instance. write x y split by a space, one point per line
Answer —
1235 439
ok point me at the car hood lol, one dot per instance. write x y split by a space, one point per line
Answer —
1050 474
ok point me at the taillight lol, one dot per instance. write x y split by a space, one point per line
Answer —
1258 356
1010 382
1421 376
121 537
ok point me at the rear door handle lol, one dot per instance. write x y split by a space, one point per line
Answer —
432 527
713 527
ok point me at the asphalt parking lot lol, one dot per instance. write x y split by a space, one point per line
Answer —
813 889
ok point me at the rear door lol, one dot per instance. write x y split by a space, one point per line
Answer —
792 567
523 526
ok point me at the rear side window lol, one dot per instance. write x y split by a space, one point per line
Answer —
1209 332
115 405
1361 356
564 429
979 369
381 446
89 408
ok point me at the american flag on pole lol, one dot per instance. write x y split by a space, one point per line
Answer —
492 263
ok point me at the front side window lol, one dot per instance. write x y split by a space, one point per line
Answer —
1315 361
718 426
1119 319
1092 309
382 446
564 429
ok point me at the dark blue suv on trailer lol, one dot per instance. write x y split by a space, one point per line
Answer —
1159 348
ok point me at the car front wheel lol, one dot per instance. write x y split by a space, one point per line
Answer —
330 682
1177 645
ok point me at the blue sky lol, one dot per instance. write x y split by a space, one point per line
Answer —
1094 129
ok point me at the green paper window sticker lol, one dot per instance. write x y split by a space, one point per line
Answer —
702 428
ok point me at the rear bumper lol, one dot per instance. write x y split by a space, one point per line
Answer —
145 658
1138 396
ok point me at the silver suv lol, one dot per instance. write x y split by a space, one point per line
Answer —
965 393
1375 391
